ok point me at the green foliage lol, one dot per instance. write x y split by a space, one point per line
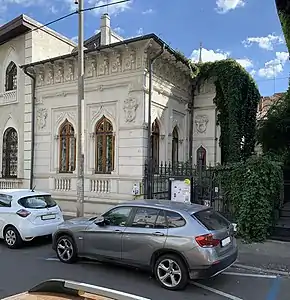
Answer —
237 98
254 188
283 9
274 132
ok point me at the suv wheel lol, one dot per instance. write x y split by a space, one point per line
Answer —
66 249
171 272
12 238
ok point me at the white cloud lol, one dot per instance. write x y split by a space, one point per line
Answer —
265 42
148 11
75 39
209 55
214 55
224 6
245 62
118 30
112 9
275 66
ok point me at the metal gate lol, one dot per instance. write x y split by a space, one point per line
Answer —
207 189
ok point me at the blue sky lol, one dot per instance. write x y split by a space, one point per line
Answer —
247 30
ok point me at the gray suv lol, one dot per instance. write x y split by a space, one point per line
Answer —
176 241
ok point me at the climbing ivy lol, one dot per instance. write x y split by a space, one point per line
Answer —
283 9
237 98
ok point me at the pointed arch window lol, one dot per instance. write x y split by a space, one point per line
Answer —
10 153
155 137
11 77
175 145
201 157
105 145
67 158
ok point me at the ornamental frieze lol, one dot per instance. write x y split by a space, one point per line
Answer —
98 64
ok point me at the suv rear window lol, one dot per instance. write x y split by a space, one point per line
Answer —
211 219
37 202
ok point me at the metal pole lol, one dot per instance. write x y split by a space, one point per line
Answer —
80 111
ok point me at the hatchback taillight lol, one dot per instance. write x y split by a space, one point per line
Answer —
23 213
207 241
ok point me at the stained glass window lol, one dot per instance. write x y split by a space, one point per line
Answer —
11 77
175 145
67 140
10 153
105 144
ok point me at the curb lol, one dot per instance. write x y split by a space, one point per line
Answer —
251 268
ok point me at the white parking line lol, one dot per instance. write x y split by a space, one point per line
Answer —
228 296
249 275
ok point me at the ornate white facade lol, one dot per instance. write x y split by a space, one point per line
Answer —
116 94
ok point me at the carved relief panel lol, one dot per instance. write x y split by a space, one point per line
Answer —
201 123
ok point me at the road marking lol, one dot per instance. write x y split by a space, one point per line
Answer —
81 261
277 272
249 275
52 259
228 296
275 289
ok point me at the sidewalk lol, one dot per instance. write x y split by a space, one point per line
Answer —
271 255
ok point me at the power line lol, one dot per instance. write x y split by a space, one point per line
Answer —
270 79
75 12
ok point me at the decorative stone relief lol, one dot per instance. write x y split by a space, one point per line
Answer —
129 60
61 116
41 117
59 72
98 112
90 67
69 71
50 75
40 76
116 62
201 122
104 66
130 108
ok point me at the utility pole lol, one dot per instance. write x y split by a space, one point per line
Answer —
80 111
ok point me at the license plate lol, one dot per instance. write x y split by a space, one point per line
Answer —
226 241
48 217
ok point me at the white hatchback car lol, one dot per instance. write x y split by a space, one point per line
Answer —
26 214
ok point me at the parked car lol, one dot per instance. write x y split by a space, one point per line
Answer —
58 289
26 214
176 241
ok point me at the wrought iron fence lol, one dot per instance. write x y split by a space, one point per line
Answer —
206 187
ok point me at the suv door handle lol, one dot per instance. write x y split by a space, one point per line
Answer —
158 233
118 231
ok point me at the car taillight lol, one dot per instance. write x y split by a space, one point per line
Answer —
207 241
23 213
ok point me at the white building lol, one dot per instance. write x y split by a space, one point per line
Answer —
116 112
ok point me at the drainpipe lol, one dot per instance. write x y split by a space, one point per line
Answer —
149 153
191 124
32 76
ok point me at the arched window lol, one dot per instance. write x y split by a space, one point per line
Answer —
10 153
174 145
105 144
201 157
155 145
11 77
67 156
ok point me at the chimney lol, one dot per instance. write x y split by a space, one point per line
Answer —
105 29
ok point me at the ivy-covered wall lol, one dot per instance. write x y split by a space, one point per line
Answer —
283 9
237 98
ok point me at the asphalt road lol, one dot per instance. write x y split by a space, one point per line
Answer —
24 268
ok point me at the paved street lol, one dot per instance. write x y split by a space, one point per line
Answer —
21 269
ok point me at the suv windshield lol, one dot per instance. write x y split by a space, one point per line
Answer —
211 219
37 202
